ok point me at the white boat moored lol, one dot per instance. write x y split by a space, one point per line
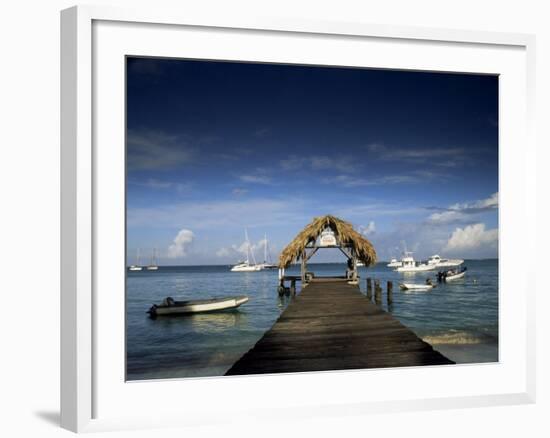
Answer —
437 262
455 276
394 263
169 306
137 266
413 286
246 266
408 264
451 274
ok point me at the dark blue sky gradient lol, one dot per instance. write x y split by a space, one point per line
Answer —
381 146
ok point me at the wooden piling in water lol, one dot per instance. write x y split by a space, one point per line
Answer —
377 292
390 293
369 289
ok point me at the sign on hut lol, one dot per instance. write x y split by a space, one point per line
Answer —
325 232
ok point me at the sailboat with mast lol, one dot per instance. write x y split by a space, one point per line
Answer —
246 266
268 263
153 265
137 266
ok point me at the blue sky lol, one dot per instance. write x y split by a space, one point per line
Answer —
410 158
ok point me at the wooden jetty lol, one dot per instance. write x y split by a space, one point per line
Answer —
331 325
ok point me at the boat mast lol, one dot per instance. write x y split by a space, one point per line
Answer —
265 248
248 249
251 250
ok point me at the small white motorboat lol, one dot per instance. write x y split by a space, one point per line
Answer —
451 274
455 276
169 306
413 286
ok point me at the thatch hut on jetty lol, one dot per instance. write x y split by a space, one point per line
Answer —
326 232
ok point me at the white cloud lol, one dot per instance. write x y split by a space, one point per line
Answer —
343 163
255 179
460 211
443 156
157 184
260 213
411 178
472 237
223 252
156 150
181 243
369 229
241 248
239 191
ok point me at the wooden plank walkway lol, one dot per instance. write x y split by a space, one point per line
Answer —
331 325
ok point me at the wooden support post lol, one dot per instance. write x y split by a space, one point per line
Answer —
390 293
377 292
293 286
369 289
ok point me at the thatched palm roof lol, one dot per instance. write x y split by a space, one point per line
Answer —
345 235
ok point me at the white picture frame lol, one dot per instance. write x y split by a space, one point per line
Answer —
89 399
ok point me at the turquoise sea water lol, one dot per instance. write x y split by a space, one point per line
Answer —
460 319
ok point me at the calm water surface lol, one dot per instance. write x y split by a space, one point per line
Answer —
460 319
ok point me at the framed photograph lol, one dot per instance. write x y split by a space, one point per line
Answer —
257 208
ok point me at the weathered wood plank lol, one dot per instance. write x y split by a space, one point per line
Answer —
330 325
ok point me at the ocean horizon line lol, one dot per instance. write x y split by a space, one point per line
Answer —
297 264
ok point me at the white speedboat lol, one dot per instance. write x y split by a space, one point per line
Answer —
438 262
394 263
169 306
408 264
246 266
455 276
413 286
450 275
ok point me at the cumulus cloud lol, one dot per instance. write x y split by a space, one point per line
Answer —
369 229
223 252
242 247
472 237
181 244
